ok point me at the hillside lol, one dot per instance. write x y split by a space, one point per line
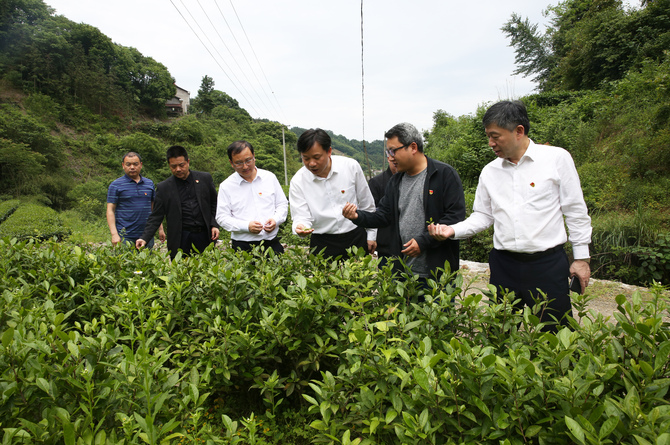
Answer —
72 102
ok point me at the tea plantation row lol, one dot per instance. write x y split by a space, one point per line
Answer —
111 346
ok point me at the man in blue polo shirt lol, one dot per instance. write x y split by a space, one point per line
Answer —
130 199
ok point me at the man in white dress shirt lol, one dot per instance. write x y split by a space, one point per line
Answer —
525 194
251 203
319 191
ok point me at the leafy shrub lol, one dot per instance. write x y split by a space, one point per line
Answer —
187 129
461 143
44 107
32 220
90 199
654 261
151 150
84 230
18 167
119 345
603 184
56 188
7 208
24 129
617 239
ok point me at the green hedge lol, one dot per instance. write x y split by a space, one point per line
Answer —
116 346
7 208
32 220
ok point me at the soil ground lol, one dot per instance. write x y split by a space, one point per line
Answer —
604 291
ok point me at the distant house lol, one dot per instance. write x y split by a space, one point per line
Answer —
178 105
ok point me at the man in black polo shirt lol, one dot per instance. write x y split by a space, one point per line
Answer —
187 200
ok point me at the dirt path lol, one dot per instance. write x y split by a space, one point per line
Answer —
604 291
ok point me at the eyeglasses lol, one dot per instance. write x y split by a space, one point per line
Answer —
392 151
248 161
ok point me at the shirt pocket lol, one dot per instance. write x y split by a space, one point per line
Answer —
542 195
345 195
264 197
238 201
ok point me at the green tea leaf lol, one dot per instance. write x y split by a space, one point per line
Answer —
7 336
482 407
421 378
608 427
391 414
575 429
68 432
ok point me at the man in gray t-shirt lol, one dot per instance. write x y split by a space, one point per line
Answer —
411 220
423 191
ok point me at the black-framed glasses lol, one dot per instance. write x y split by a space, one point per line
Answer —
392 151
247 161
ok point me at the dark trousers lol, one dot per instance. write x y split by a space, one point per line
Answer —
337 244
526 274
247 246
193 242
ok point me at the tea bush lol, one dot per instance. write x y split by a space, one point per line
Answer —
32 220
115 346
7 208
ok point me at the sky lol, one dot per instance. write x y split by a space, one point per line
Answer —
299 61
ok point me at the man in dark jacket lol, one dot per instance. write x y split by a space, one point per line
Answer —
187 200
423 191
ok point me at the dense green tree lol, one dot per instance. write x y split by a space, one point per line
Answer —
460 142
151 82
19 168
17 18
589 42
209 99
533 54
239 116
151 150
77 64
20 128
203 102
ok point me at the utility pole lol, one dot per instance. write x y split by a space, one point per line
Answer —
283 140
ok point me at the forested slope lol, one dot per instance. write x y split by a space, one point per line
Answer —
72 102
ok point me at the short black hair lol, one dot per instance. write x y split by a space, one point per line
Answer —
507 114
406 134
131 154
176 151
307 140
238 147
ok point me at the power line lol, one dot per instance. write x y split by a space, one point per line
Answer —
365 149
228 71
210 53
243 55
257 61
217 51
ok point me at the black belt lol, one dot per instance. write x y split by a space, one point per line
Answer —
194 229
528 257
257 243
337 236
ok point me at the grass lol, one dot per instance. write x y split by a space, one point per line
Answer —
84 231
